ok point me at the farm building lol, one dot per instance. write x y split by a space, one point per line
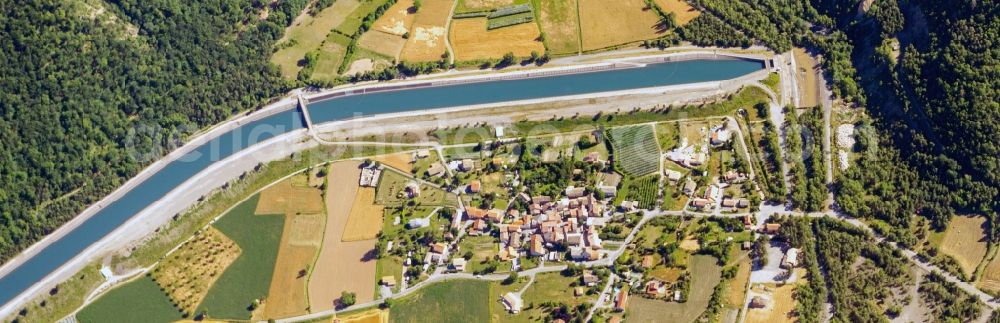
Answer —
791 259
621 300
512 302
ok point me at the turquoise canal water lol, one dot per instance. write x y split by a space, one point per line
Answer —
175 173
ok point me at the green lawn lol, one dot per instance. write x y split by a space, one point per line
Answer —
138 301
249 277
483 248
547 287
389 266
392 182
457 301
668 135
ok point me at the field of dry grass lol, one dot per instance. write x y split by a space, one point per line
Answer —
370 316
780 304
365 219
991 276
300 241
965 240
612 23
683 12
561 25
290 197
807 77
427 37
341 266
386 35
480 5
471 40
188 273
738 286
400 161
397 20
308 32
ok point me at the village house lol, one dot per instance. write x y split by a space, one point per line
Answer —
734 177
772 228
791 259
647 261
689 187
420 154
672 175
417 223
458 264
389 281
435 170
369 176
589 278
478 228
621 300
412 190
655 288
609 191
467 165
473 187
719 136
475 213
535 248
512 302
575 192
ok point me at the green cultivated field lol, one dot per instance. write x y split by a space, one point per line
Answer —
462 301
635 149
138 301
249 277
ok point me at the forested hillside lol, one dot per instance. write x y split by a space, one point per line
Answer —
934 149
92 91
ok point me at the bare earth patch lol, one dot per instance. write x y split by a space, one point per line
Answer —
807 77
426 41
471 40
397 20
188 273
612 23
965 240
476 5
683 12
360 66
342 266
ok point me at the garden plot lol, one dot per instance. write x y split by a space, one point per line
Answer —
635 149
